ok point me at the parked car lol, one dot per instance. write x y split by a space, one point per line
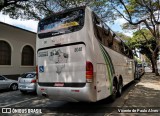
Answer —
140 69
6 83
27 82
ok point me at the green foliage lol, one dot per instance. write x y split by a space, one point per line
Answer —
6 3
137 59
38 9
124 37
143 41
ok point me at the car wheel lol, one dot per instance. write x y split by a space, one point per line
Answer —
23 92
14 87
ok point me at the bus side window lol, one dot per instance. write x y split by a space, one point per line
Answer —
117 45
111 39
107 36
126 51
97 27
130 54
122 48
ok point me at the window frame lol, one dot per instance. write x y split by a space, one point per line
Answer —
7 53
25 63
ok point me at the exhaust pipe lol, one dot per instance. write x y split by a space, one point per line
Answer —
44 95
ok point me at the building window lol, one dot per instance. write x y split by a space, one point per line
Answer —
27 56
5 53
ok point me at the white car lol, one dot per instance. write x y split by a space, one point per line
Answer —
27 82
6 83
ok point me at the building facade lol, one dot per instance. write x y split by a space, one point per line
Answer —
17 50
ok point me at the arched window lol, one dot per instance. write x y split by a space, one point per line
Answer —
5 53
27 56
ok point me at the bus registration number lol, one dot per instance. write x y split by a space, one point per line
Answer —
78 49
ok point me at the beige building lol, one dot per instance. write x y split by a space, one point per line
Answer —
17 50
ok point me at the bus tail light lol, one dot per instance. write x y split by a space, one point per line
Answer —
89 71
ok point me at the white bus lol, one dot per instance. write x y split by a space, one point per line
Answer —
80 59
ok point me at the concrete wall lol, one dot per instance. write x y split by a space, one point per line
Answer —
17 38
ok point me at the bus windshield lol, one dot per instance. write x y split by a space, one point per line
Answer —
61 24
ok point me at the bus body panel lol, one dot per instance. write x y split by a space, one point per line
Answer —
102 82
62 64
123 66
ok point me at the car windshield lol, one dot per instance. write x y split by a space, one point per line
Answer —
28 75
139 65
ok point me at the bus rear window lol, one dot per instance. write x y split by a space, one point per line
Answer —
61 24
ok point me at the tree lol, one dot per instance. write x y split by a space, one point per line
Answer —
124 37
139 12
6 3
38 9
145 43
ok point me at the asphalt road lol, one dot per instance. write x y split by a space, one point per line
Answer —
14 99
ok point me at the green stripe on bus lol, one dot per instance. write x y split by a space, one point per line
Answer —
109 59
109 72
108 68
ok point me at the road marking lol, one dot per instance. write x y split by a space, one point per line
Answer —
18 102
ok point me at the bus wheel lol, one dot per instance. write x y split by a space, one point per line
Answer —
120 87
114 91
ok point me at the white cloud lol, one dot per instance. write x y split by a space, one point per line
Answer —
30 25
120 21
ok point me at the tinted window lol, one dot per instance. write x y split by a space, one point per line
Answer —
139 65
28 75
108 38
103 32
2 78
62 23
98 28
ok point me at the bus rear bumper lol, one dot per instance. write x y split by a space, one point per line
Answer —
71 94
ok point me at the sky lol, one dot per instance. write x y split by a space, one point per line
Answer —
116 27
31 25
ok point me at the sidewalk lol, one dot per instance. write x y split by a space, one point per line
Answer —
144 96
146 93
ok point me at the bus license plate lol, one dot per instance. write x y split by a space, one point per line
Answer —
59 84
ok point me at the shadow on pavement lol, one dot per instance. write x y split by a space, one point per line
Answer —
5 90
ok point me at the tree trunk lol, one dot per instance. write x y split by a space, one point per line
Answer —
154 59
153 68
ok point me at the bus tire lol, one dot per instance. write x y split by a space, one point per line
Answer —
120 87
114 90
